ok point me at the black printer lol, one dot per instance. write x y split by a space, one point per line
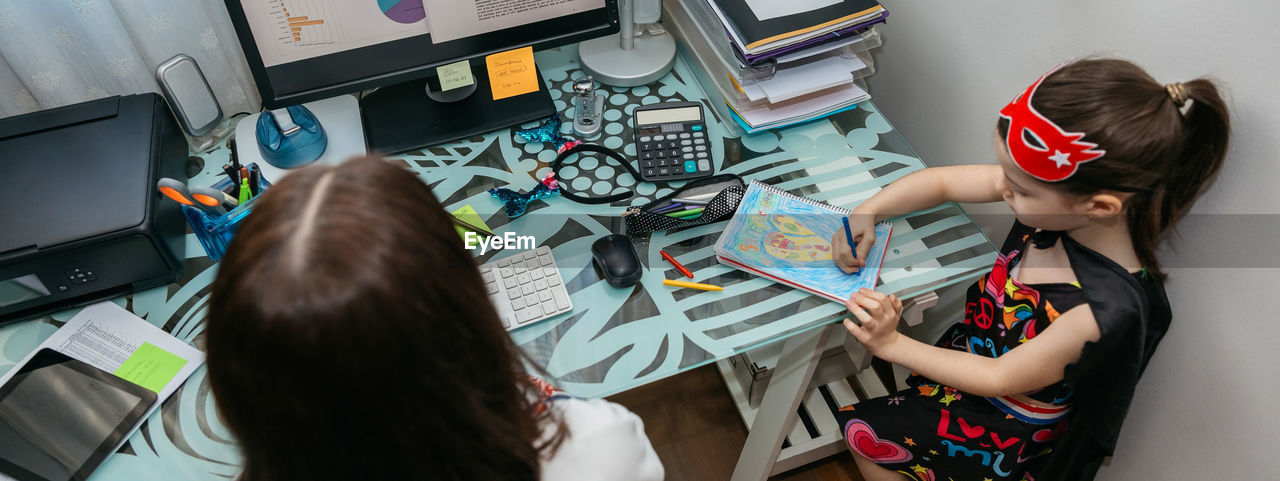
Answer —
80 217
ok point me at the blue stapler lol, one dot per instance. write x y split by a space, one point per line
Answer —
290 137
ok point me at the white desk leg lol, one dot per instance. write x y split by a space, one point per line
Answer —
777 413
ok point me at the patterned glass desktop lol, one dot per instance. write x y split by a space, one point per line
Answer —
614 339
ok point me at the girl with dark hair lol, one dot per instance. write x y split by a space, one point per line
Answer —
350 337
1098 161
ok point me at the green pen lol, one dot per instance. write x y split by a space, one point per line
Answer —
244 189
685 214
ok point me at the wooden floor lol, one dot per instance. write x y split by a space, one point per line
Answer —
697 432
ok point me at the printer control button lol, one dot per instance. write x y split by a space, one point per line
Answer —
62 288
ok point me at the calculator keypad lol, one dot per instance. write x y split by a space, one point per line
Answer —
674 156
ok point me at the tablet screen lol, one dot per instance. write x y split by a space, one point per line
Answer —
59 418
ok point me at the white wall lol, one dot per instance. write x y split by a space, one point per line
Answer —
1207 407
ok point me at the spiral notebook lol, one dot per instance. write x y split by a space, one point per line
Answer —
787 238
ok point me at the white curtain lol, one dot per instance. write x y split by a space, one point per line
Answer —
60 52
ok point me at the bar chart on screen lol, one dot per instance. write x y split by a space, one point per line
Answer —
303 23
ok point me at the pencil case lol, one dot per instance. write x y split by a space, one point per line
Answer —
215 231
721 194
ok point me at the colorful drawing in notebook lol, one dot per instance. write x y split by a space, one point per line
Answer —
788 239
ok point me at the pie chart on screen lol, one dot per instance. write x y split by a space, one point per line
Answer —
403 11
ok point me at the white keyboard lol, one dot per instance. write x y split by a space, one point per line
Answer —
526 288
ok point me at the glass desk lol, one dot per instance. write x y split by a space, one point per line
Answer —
614 339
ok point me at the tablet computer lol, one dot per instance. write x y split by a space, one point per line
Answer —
60 418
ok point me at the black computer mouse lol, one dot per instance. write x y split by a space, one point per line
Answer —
617 260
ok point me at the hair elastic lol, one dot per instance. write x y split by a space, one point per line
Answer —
1177 93
610 153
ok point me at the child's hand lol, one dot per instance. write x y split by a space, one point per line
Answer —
863 227
879 315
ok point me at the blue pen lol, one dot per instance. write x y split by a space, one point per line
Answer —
668 208
848 235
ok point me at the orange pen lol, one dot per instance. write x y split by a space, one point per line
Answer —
673 262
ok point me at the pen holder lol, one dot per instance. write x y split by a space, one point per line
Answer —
215 231
728 189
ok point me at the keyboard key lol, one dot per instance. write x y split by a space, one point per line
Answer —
531 262
645 139
507 271
517 304
684 136
508 321
553 280
514 294
492 287
687 149
548 271
540 285
520 268
535 274
702 148
504 263
659 137
547 260
488 276
699 141
526 315
549 307
544 296
704 165
531 299
526 289
562 301
511 283
524 278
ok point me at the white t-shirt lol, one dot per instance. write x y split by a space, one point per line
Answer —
605 441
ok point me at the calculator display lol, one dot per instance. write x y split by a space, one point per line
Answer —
664 116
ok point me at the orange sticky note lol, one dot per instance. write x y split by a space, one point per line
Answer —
512 73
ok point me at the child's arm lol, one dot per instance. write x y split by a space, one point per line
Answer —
1037 363
929 187
918 190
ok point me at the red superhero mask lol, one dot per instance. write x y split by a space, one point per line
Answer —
1062 152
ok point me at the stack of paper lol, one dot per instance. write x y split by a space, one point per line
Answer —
778 63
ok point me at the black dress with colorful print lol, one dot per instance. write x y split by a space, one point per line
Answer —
935 432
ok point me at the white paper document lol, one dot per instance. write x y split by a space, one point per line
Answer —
110 338
454 19
808 106
767 9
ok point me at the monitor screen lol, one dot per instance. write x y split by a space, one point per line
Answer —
303 50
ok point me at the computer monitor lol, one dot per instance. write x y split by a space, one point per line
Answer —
305 50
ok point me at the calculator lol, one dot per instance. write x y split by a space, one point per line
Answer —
671 142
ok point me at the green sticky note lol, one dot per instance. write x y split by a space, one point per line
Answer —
469 215
454 75
151 367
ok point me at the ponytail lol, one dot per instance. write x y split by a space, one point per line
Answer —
1205 130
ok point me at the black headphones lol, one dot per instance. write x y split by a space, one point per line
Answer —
608 199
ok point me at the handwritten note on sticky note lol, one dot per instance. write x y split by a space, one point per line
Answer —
512 73
454 75
151 367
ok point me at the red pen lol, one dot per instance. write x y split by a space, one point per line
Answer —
673 262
